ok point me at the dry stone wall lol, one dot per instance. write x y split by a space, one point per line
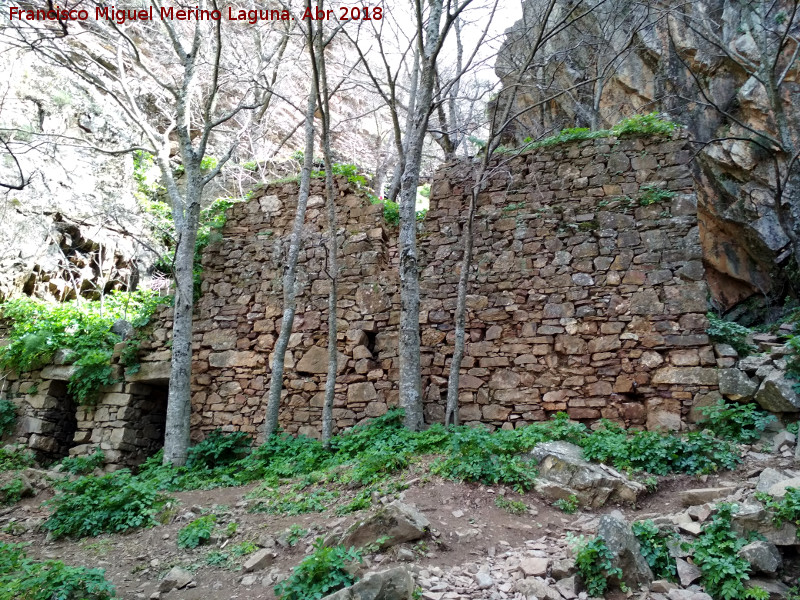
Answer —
582 299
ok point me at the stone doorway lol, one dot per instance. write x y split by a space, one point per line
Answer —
149 417
51 421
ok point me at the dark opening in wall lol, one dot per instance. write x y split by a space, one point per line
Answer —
148 420
52 422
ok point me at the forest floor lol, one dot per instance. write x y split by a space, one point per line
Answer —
468 530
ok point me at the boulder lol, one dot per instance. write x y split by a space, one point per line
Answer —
783 440
624 548
777 394
391 584
398 522
736 385
259 560
687 572
563 472
776 589
753 517
779 489
750 364
768 478
703 495
177 578
762 556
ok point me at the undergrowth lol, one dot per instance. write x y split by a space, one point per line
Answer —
8 417
654 546
298 475
38 329
637 125
23 578
593 560
728 332
321 573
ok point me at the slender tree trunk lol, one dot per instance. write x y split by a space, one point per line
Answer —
451 412
179 403
333 268
290 274
409 341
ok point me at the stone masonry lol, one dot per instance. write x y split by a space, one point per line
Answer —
582 300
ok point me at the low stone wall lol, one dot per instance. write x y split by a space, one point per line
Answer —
582 299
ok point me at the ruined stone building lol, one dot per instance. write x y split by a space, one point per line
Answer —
588 296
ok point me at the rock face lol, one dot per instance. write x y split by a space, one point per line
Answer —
563 472
398 522
625 549
391 584
739 227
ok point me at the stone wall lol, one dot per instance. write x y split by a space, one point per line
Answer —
582 300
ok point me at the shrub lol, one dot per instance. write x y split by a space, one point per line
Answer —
567 505
783 509
593 561
715 554
83 465
655 550
219 449
728 332
111 503
737 422
8 417
38 329
321 573
15 459
11 490
197 533
23 578
515 507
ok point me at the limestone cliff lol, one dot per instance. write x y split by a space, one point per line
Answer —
623 59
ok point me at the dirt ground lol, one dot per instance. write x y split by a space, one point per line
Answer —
466 527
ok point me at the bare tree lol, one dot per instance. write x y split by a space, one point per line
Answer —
175 84
295 244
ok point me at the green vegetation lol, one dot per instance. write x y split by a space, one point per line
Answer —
715 554
515 507
111 503
298 475
786 509
738 422
8 416
696 452
197 533
295 534
654 545
38 329
568 505
16 459
22 578
653 195
83 465
728 332
321 573
218 449
637 125
593 560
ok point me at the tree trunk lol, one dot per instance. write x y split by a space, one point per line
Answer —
179 403
290 274
451 411
409 342
333 268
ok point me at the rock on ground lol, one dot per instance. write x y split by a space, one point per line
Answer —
399 522
564 472
392 584
625 550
